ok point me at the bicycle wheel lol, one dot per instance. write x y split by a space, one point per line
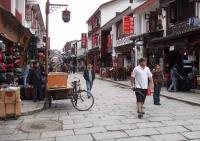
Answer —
83 100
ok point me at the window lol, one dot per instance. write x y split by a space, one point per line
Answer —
119 29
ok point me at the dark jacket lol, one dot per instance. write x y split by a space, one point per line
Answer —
35 77
86 75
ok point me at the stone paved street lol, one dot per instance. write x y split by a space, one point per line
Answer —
113 118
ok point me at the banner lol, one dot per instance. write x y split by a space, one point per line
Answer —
94 40
128 25
83 40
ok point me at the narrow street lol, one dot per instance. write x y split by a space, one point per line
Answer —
112 118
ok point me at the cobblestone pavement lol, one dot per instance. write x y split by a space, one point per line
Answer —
113 118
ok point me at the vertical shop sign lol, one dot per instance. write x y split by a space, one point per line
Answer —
83 40
94 40
128 25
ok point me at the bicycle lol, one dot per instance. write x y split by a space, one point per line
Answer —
82 100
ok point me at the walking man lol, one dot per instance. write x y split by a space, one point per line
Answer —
36 81
141 76
174 77
89 76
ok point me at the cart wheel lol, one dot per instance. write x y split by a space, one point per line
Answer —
82 100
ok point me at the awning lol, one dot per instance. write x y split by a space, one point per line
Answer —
146 5
189 32
95 49
152 34
125 48
11 28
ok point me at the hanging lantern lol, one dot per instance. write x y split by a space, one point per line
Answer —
66 15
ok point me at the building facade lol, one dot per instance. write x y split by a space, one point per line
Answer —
97 37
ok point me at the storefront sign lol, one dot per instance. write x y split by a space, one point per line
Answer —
124 41
128 25
94 40
83 40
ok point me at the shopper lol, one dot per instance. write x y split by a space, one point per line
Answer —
174 76
36 82
89 76
158 80
25 73
141 76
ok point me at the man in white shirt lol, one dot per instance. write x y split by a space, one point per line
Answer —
141 76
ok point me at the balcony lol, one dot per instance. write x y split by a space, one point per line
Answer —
183 27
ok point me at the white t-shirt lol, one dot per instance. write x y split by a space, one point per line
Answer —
141 76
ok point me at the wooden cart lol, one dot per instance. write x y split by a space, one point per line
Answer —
59 94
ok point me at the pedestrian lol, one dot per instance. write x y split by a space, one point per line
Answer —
174 76
141 76
36 81
25 73
158 79
64 68
89 76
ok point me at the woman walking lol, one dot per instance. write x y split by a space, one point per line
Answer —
158 79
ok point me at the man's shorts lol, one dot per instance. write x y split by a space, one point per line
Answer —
141 94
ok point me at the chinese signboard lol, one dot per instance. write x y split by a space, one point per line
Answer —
128 25
94 40
83 40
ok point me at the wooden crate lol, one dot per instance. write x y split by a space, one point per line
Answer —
10 109
57 80
9 95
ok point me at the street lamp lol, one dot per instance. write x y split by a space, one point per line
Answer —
50 8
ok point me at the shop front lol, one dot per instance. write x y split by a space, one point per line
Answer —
14 39
181 50
124 58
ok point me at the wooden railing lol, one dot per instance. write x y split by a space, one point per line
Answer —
181 27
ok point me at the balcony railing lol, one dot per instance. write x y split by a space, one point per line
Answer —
183 27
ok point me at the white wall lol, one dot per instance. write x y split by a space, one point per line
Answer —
198 9
114 35
109 11
140 21
80 50
20 6
164 22
89 43
13 5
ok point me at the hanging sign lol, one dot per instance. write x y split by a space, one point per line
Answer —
128 25
83 40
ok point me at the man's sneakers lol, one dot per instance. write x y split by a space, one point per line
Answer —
141 112
140 115
157 104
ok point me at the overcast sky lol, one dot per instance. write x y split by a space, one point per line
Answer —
61 32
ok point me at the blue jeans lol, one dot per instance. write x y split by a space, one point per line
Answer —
89 85
156 95
174 84
37 92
